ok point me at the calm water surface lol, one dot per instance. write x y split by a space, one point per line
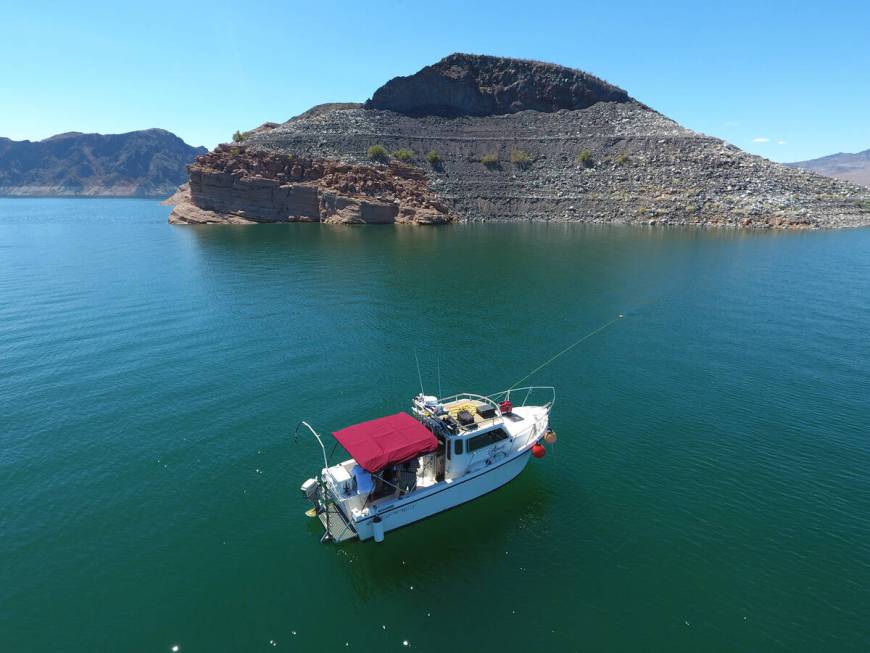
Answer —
709 489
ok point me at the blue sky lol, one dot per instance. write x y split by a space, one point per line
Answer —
796 74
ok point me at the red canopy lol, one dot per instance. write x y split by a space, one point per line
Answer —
386 441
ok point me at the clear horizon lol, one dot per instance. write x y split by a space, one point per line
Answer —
786 81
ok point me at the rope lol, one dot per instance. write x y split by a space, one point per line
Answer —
567 349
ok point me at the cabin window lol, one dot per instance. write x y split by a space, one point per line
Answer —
458 447
486 439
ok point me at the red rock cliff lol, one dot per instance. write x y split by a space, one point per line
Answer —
234 184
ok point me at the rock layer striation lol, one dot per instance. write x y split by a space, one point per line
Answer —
241 185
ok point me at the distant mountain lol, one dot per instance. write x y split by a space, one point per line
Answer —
139 163
851 167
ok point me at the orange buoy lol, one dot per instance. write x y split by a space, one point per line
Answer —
550 437
538 450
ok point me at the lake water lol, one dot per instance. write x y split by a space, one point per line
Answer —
709 489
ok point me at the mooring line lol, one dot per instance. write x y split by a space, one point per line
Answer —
567 349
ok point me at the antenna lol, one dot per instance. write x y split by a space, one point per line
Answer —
419 376
438 363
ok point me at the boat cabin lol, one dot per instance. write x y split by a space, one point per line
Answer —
472 428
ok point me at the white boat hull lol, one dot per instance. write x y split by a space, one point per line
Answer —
443 496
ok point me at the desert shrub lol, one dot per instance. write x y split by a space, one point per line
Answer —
585 159
433 158
521 159
235 151
404 154
378 153
622 159
490 160
239 137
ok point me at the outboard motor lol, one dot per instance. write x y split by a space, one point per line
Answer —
311 491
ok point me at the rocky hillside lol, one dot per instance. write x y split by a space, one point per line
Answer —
151 162
478 138
851 167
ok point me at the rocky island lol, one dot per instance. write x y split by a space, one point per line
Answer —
480 138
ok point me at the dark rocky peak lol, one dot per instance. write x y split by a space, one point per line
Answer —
481 85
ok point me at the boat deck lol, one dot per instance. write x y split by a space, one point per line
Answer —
336 526
453 409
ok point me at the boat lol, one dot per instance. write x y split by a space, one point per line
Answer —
409 466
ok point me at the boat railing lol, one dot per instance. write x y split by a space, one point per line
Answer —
512 395
468 396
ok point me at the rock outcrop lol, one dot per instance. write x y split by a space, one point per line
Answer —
474 85
150 162
483 138
240 185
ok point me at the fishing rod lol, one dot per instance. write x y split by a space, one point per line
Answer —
567 349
